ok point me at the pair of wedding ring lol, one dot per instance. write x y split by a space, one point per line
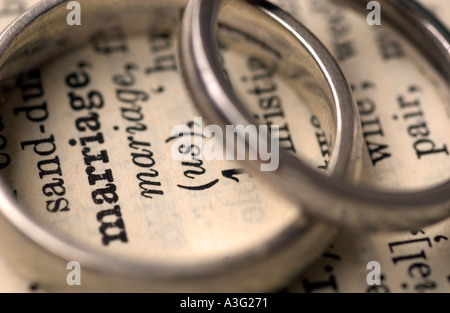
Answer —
42 33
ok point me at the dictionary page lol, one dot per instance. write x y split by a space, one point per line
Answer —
93 152
181 222
376 63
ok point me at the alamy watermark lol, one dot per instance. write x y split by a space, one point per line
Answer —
374 276
374 16
74 16
192 141
74 276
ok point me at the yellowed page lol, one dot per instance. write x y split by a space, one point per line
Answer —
415 261
377 64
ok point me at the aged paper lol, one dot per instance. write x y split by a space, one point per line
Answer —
374 61
90 154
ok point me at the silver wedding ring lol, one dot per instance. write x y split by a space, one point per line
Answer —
42 33
334 198
39 254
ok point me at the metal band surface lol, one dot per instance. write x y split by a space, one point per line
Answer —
332 198
42 33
